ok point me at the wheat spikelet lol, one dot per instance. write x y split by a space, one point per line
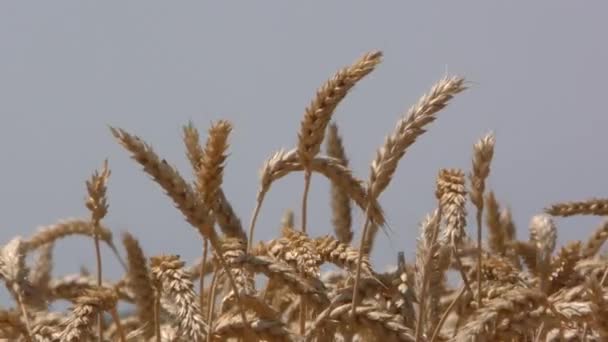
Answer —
318 115
194 151
210 172
230 326
14 271
282 163
369 317
297 249
482 157
502 314
233 250
596 240
451 195
562 266
78 325
543 233
340 201
185 199
319 112
62 229
97 204
427 250
40 274
71 286
176 287
594 206
138 279
212 158
312 288
340 254
408 129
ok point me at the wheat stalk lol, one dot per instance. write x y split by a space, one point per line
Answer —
319 112
482 157
407 130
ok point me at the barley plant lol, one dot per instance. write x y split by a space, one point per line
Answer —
508 289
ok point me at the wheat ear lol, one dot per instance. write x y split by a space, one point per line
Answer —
185 199
319 112
280 162
483 151
596 240
138 279
594 206
408 129
340 201
92 303
194 152
97 204
543 234
13 271
167 271
426 250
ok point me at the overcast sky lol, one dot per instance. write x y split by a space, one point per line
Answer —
68 69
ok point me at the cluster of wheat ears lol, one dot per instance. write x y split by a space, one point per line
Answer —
511 290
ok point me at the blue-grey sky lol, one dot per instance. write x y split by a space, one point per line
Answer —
68 69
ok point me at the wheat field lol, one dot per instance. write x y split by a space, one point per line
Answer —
242 289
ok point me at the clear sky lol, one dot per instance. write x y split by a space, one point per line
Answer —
68 69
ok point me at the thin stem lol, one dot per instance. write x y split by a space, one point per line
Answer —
584 338
604 277
117 255
360 257
26 319
307 175
211 304
157 314
99 276
302 316
202 279
479 254
446 314
119 329
461 269
254 218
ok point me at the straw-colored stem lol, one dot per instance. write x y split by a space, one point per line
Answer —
303 315
211 304
157 315
26 319
202 278
119 329
254 218
307 177
99 278
463 275
604 276
360 259
479 255
446 314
